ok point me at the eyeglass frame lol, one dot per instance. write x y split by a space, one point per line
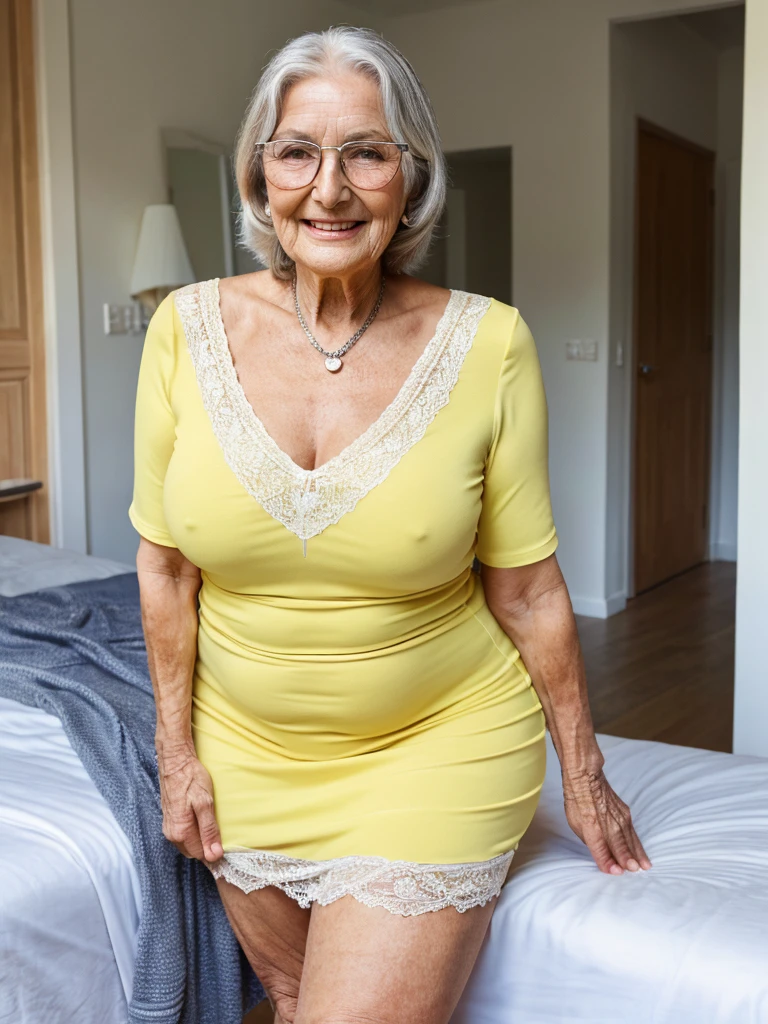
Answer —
402 147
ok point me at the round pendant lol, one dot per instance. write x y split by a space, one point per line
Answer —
333 363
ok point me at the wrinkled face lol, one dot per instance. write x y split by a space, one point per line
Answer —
331 110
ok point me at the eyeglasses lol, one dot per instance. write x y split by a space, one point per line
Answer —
294 163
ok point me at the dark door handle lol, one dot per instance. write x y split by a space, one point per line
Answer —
645 369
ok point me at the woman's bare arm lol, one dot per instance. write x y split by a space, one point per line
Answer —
532 605
169 585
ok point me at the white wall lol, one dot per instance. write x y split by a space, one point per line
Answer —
723 534
535 76
139 67
751 698
663 73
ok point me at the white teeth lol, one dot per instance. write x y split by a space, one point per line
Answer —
336 226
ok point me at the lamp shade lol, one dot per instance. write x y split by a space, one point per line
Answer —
161 262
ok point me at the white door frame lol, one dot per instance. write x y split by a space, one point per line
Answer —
751 689
61 276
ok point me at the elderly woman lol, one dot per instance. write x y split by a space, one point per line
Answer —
348 732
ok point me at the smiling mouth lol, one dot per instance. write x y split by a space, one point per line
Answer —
332 226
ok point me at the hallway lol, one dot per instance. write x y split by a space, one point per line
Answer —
663 668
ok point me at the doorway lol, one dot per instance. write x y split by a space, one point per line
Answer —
661 666
673 346
472 247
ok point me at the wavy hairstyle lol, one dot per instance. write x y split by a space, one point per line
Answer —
409 117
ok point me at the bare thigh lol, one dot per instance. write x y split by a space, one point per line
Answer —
271 928
365 965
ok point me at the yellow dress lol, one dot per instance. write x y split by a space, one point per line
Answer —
369 727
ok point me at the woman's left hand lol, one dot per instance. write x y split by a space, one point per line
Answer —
602 821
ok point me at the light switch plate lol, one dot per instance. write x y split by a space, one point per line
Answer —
590 350
120 319
581 350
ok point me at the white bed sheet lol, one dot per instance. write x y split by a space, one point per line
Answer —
683 943
69 895
69 899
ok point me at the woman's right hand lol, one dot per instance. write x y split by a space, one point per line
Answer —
186 796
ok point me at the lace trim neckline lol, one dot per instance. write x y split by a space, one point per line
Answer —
401 887
307 501
381 425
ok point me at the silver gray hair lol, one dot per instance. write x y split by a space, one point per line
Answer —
409 117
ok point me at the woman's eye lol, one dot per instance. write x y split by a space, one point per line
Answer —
292 152
295 154
366 155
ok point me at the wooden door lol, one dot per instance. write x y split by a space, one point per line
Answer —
673 355
22 351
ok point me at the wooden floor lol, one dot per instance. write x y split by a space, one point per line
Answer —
663 668
660 670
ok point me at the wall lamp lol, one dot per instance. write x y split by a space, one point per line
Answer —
162 262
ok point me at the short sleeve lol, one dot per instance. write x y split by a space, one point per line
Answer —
516 526
154 427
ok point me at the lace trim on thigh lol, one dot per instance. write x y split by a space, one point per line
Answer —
402 887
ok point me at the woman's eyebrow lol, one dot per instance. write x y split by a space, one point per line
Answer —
362 135
368 134
291 133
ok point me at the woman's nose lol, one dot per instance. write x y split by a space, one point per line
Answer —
330 183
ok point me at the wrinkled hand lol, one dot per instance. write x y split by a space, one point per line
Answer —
186 796
602 821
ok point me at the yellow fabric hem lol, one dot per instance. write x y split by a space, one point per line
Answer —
149 532
511 561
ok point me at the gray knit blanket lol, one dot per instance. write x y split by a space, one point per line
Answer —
78 653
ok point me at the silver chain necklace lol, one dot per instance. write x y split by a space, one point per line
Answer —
333 359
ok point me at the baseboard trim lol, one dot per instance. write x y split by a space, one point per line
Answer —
599 608
723 552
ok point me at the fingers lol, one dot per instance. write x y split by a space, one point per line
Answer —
208 828
194 831
601 852
189 819
641 856
622 854
181 829
627 848
606 828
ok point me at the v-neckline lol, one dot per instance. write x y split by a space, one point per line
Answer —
372 431
308 501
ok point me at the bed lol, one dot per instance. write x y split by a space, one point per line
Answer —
69 902
685 943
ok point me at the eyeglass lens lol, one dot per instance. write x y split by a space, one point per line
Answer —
369 165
